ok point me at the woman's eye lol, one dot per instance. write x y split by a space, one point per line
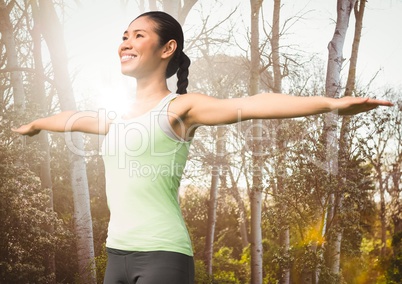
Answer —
138 35
124 38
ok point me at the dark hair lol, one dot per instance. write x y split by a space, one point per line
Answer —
168 28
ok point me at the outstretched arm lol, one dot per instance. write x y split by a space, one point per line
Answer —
67 121
204 110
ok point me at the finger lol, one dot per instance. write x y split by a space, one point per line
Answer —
380 102
15 129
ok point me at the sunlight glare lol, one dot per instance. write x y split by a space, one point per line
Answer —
114 98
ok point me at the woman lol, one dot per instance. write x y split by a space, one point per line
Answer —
145 150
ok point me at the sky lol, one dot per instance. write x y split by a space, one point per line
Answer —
93 32
381 40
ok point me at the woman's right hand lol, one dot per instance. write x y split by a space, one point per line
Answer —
27 129
68 121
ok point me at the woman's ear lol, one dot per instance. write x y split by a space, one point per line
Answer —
169 48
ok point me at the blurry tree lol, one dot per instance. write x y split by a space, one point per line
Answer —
394 167
18 90
380 144
8 39
213 78
178 9
39 98
279 127
25 240
228 257
394 188
53 35
214 86
216 169
374 145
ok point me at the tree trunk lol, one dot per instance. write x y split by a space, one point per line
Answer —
333 89
53 36
212 206
335 48
6 30
276 63
40 99
284 234
343 140
213 200
383 217
359 13
242 211
256 191
7 34
175 9
395 208
396 200
172 7
185 9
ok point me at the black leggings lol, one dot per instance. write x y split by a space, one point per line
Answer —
156 267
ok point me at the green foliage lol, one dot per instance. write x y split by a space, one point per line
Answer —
366 267
229 266
228 269
201 274
394 271
29 229
194 208
100 263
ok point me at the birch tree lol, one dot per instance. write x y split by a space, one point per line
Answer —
180 12
358 8
53 35
257 185
222 148
217 157
333 89
284 230
213 198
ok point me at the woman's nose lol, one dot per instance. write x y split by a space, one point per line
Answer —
125 45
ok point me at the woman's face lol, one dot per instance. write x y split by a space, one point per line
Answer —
140 51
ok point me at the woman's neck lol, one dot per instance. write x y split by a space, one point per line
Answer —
151 89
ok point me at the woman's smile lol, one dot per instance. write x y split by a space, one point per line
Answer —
127 57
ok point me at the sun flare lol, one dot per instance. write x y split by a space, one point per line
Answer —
116 99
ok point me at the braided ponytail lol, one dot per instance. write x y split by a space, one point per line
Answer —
182 73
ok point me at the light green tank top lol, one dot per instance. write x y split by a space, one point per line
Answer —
143 168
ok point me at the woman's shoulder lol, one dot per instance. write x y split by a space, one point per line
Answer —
182 104
188 100
191 97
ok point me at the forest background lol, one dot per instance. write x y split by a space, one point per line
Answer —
311 200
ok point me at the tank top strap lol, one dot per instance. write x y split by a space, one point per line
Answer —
163 118
166 101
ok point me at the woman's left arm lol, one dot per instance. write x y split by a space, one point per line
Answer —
205 110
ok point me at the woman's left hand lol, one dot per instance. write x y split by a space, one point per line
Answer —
353 105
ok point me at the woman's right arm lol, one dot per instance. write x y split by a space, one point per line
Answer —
68 121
